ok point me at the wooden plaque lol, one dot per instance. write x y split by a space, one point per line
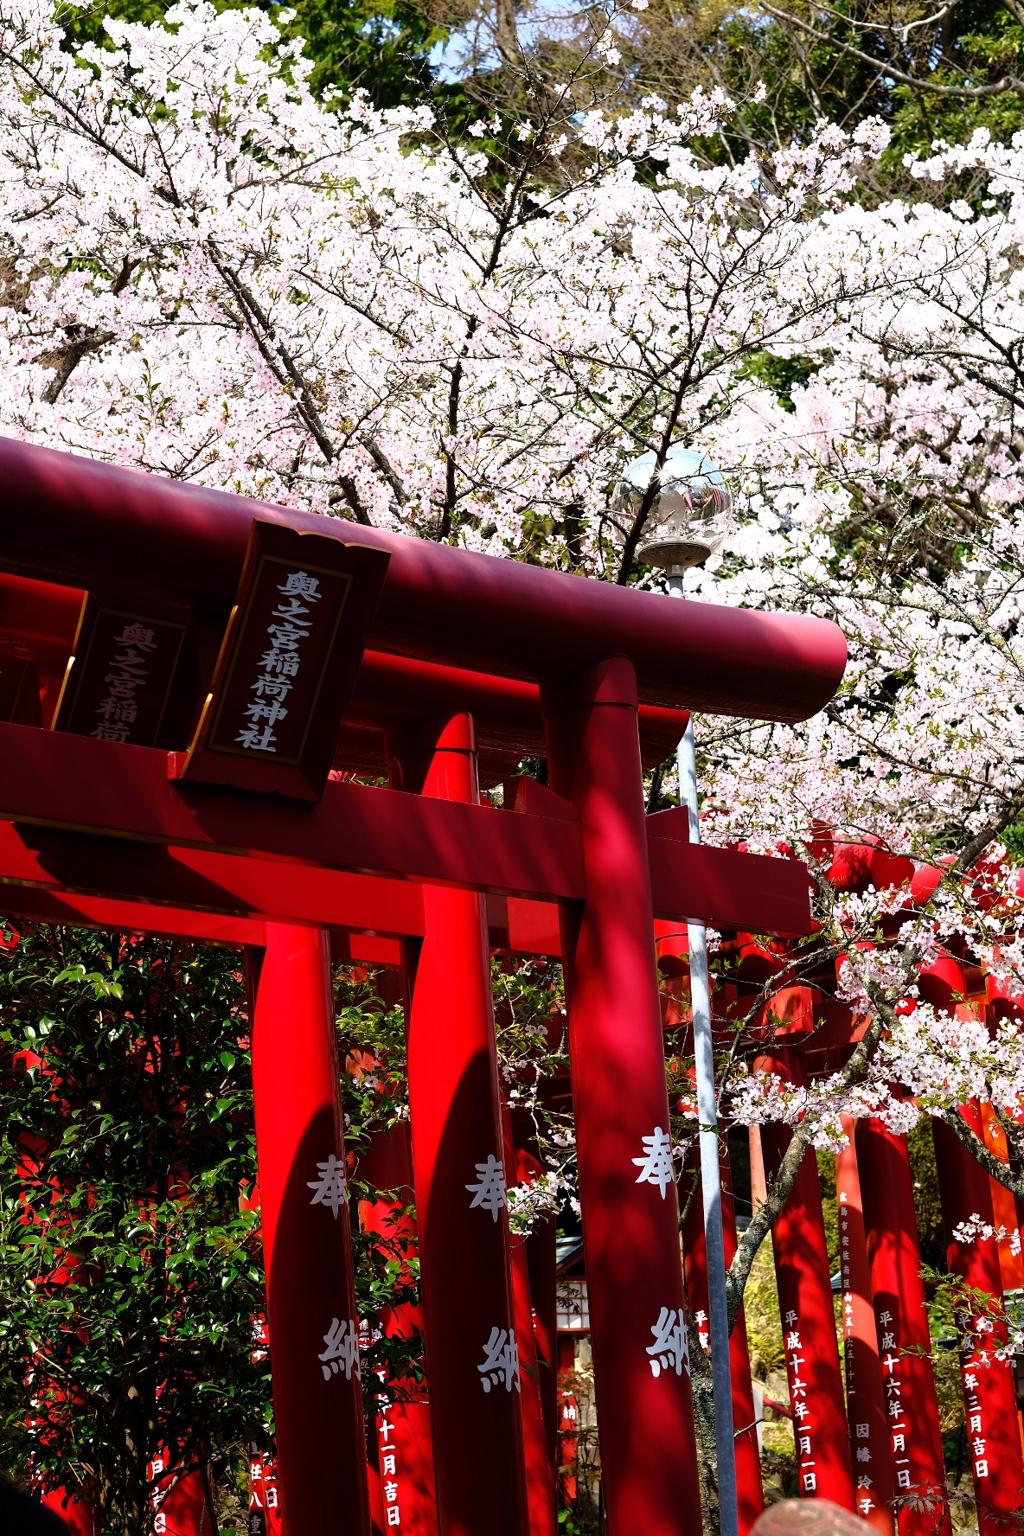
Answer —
19 689
288 664
119 682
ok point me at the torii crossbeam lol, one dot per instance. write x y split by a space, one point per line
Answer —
224 655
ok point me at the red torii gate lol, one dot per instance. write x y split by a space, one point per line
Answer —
222 838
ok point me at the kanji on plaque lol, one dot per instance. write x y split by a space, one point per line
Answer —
670 1351
331 1188
501 1361
120 680
342 1349
490 1191
288 663
656 1163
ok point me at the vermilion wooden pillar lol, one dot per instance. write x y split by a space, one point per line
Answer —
749 1494
402 1475
1004 1207
894 1257
990 1403
568 1421
630 1218
808 1320
457 1149
180 1508
542 1266
873 1477
540 1470
78 1516
311 1311
264 1507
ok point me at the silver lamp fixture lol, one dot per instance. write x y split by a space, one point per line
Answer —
693 513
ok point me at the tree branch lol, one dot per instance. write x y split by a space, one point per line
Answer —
992 1164
766 1214
962 92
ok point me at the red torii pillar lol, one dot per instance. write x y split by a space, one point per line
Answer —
311 1308
671 941
542 1269
808 1319
865 1400
990 1402
402 1492
1004 1207
538 1463
902 1320
460 1179
627 1190
749 1494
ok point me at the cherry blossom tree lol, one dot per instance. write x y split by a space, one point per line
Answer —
208 274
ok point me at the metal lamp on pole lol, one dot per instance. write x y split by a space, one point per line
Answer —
692 519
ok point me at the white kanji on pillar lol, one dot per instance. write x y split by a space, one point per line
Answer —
331 1188
501 1360
490 1192
656 1164
669 1350
342 1352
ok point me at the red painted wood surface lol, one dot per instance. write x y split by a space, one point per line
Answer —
630 1223
78 785
901 1318
264 1505
396 694
79 1517
808 1319
209 883
1004 1207
537 1460
990 1403
402 1490
541 1263
104 786
455 1115
65 517
568 1420
723 887
311 1309
749 1494
874 1480
182 1506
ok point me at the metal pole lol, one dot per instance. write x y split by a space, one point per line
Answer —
710 1175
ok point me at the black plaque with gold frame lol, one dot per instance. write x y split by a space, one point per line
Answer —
288 663
120 680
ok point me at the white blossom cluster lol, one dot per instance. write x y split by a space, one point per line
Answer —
206 273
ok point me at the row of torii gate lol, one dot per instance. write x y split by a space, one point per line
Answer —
185 676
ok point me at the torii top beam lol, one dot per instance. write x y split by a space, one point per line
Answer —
73 519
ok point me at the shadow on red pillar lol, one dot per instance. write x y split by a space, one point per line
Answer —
540 1469
749 1493
568 1421
808 1318
1004 1207
455 1113
402 1475
627 1192
894 1257
311 1311
865 1400
182 1506
542 1265
990 1403
79 1516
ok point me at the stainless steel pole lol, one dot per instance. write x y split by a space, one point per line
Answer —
710 1174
